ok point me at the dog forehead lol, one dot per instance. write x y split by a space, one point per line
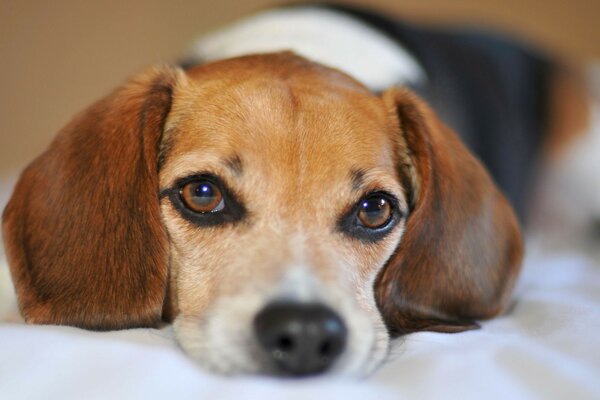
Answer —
284 66
321 117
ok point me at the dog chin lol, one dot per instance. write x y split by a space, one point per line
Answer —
222 340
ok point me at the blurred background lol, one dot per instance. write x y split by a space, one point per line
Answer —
59 56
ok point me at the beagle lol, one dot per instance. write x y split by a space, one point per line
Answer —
285 216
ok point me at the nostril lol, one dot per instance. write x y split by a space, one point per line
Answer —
300 339
285 343
326 349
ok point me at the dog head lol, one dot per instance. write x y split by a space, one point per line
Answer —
286 219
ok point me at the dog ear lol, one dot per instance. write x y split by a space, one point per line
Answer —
83 231
462 248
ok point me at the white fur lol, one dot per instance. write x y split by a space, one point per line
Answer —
325 36
8 300
569 199
582 165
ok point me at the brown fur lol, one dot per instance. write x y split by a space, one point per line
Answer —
91 245
83 234
462 242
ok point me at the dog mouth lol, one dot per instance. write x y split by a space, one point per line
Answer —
295 327
285 338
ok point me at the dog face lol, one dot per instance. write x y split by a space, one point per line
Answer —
284 217
293 191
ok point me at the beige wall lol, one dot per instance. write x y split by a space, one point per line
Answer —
58 56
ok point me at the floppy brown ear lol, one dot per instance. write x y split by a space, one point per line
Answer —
462 248
83 231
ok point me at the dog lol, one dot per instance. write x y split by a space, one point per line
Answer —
279 212
286 217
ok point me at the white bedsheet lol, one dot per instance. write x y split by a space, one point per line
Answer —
547 346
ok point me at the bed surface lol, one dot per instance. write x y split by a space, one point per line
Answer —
547 346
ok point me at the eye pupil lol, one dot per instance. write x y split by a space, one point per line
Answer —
202 196
374 212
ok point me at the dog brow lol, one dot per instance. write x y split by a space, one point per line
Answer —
234 163
357 176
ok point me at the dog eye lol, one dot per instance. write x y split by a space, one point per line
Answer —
373 217
204 200
374 211
202 197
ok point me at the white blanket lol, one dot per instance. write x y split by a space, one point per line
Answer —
547 346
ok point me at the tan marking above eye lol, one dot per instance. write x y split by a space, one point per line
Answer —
202 196
374 211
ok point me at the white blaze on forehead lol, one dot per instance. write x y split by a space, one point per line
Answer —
326 36
299 283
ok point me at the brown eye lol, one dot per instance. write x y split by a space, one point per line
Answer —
374 211
202 197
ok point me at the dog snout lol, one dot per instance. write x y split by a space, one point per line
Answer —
300 339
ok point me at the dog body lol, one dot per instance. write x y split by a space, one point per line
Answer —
284 217
529 119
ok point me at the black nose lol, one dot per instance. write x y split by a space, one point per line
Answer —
301 339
